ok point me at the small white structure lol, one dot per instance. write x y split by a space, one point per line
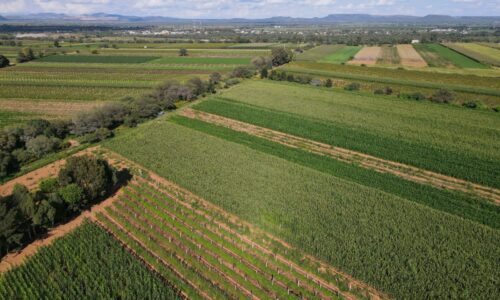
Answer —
415 41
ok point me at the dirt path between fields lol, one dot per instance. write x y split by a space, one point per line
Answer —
367 161
31 179
12 260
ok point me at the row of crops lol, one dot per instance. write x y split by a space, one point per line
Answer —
85 264
210 255
398 246
444 139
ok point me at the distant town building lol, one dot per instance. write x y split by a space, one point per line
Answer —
415 41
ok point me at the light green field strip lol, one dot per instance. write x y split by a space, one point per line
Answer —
437 55
131 66
445 139
8 117
201 61
318 53
379 238
342 55
484 54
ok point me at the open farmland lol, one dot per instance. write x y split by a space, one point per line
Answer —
319 52
409 57
342 55
481 53
440 56
85 264
465 86
389 56
361 123
367 56
324 215
94 79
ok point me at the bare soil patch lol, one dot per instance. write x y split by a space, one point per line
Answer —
366 161
367 56
410 57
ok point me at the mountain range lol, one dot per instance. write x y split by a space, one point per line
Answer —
330 19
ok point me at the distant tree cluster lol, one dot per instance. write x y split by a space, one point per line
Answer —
4 62
25 55
25 215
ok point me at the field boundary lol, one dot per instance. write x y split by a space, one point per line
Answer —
363 160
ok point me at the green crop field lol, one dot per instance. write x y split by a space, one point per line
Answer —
8 117
439 56
342 55
484 54
86 264
108 59
318 53
445 139
201 61
396 245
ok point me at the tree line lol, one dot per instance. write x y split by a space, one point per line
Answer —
25 215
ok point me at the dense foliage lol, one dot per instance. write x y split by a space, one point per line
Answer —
85 264
399 246
25 215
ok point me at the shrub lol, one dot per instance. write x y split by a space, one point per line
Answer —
41 145
4 62
8 164
263 73
49 185
388 90
91 174
328 83
316 82
281 56
243 72
215 78
442 96
73 196
352 87
183 52
231 81
99 135
470 104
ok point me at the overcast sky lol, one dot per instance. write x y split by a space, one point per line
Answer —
252 8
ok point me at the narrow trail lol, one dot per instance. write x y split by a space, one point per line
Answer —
404 171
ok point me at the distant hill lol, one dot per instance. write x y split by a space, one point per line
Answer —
279 20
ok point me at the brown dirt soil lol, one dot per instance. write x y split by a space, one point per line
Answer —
367 161
31 179
49 108
367 56
410 57
174 192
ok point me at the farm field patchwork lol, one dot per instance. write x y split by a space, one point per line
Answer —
85 264
319 52
367 56
202 60
409 57
440 56
102 59
363 124
389 56
342 55
329 217
481 53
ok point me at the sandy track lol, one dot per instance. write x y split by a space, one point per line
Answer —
49 108
409 57
367 161
367 56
